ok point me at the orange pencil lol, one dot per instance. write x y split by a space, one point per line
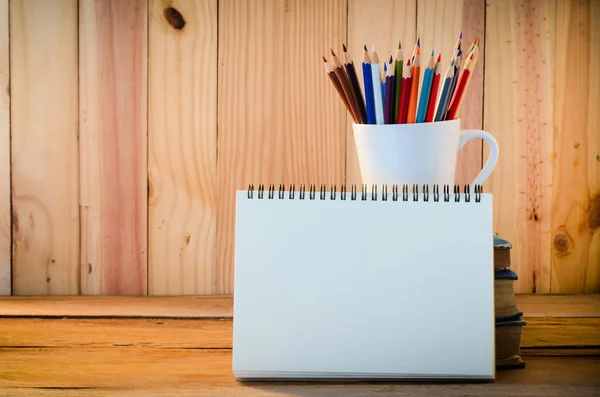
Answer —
461 88
414 88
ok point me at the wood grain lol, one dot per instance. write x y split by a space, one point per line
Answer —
561 332
43 83
382 23
5 212
182 144
208 373
314 117
553 305
117 306
519 102
279 118
557 333
576 178
533 306
118 333
113 96
439 23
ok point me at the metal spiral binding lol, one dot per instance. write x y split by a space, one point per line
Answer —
375 196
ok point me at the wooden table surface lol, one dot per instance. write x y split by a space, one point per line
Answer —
51 355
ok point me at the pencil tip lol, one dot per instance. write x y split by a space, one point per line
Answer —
385 67
431 52
476 40
344 46
366 48
418 42
391 60
332 53
439 58
324 59
461 34
399 44
373 48
408 62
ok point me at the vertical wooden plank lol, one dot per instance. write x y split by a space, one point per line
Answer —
5 217
113 96
383 23
519 85
44 147
286 129
576 199
182 139
439 23
314 117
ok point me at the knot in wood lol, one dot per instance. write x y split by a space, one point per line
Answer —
174 18
562 243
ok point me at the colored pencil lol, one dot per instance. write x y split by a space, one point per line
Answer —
368 84
398 78
443 100
461 88
351 71
390 96
377 95
383 87
346 86
414 87
434 90
457 68
425 89
406 88
336 83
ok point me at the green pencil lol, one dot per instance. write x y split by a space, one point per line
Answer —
398 77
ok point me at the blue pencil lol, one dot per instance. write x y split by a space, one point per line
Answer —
457 62
368 83
377 94
442 106
425 90
383 93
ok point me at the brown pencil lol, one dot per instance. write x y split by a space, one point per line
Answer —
338 87
347 87
351 72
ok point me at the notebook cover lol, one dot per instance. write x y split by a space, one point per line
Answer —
360 288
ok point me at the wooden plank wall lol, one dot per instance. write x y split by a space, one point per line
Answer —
132 123
5 227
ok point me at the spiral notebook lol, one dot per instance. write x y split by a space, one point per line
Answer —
381 282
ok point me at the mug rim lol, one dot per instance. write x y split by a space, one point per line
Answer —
404 125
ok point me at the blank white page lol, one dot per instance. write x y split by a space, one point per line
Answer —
343 288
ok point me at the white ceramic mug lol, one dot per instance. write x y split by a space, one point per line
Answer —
420 153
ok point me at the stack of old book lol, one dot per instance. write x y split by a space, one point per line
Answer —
509 322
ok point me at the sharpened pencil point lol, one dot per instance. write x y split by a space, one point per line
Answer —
366 48
324 59
373 48
431 52
344 46
460 35
418 42
399 44
391 60
385 67
439 58
332 53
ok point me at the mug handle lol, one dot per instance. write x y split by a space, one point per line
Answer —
467 135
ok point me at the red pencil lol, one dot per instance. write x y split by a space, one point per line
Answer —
461 87
405 94
434 89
